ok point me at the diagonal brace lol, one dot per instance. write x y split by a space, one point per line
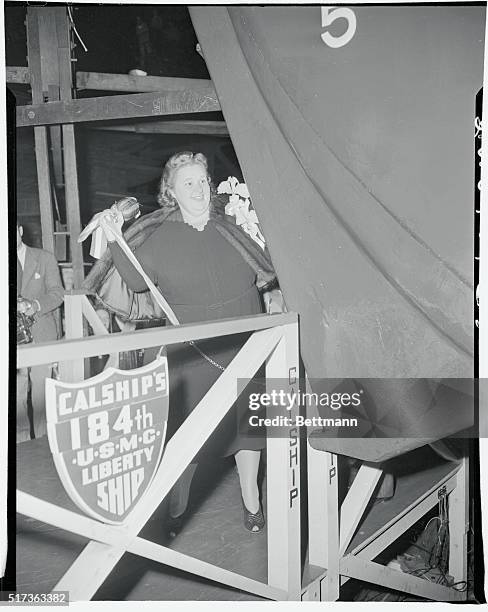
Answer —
98 559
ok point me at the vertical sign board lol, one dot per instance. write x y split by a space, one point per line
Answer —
107 435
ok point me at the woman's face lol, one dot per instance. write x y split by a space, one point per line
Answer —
191 189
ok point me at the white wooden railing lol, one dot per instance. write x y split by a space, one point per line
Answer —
274 340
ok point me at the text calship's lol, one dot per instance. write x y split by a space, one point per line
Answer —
107 435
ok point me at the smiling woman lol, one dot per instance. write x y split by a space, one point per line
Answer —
186 183
207 268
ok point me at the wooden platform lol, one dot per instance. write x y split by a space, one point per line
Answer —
213 532
416 473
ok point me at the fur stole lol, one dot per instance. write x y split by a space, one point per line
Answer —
105 281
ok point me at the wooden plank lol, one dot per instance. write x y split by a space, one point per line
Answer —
17 74
48 42
173 558
49 58
91 316
88 572
317 475
97 560
330 585
459 524
73 370
375 573
72 203
44 188
104 81
391 529
114 535
98 327
40 133
356 500
22 415
49 513
34 55
401 523
317 495
62 350
50 79
210 128
153 104
388 513
283 473
72 196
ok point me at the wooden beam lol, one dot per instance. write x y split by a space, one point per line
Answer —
185 563
210 128
375 573
72 197
113 535
44 187
72 194
103 81
17 74
283 473
97 560
384 538
74 522
392 532
43 352
40 133
459 524
73 370
317 476
317 472
330 585
45 20
356 500
116 107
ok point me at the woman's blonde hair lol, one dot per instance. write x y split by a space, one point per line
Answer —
175 162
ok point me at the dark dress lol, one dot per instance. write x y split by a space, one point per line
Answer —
203 278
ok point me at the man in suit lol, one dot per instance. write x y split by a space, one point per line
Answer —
41 291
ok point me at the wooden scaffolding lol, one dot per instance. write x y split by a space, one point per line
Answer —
55 110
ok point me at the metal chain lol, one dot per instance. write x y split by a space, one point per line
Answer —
205 356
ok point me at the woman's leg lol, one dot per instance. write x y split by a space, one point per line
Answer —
247 462
180 493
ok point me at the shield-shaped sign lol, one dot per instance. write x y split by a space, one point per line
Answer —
107 435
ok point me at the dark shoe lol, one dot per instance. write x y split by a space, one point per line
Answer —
253 522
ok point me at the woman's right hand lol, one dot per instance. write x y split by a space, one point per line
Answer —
111 223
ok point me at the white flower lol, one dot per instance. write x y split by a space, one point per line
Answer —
234 204
243 214
228 186
242 190
239 207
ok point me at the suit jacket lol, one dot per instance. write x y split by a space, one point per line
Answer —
41 281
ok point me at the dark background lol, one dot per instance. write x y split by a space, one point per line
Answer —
114 164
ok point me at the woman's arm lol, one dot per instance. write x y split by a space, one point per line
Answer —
111 225
127 271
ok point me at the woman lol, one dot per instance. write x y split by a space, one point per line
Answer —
207 269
